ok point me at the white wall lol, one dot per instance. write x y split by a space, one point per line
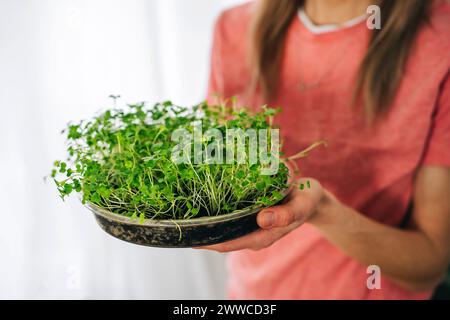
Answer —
59 60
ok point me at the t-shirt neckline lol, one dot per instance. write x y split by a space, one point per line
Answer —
328 28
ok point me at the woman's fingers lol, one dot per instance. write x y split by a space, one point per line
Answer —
277 216
279 220
300 204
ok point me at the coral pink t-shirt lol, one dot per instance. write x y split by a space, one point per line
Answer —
370 170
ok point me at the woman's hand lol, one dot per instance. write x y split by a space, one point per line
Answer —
277 221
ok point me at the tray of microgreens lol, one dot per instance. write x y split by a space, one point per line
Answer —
172 176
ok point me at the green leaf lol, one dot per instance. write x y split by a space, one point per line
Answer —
260 186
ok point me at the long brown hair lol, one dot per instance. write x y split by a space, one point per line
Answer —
381 69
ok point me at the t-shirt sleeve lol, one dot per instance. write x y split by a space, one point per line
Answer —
216 83
438 148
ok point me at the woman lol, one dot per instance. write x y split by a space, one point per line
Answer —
380 191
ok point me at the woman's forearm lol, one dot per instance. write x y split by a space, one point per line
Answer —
408 257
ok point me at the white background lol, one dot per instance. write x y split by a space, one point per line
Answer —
59 61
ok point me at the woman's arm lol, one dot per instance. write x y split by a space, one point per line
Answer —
416 258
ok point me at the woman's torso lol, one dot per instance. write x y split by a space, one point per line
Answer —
369 169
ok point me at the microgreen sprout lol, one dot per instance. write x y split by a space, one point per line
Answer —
120 160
